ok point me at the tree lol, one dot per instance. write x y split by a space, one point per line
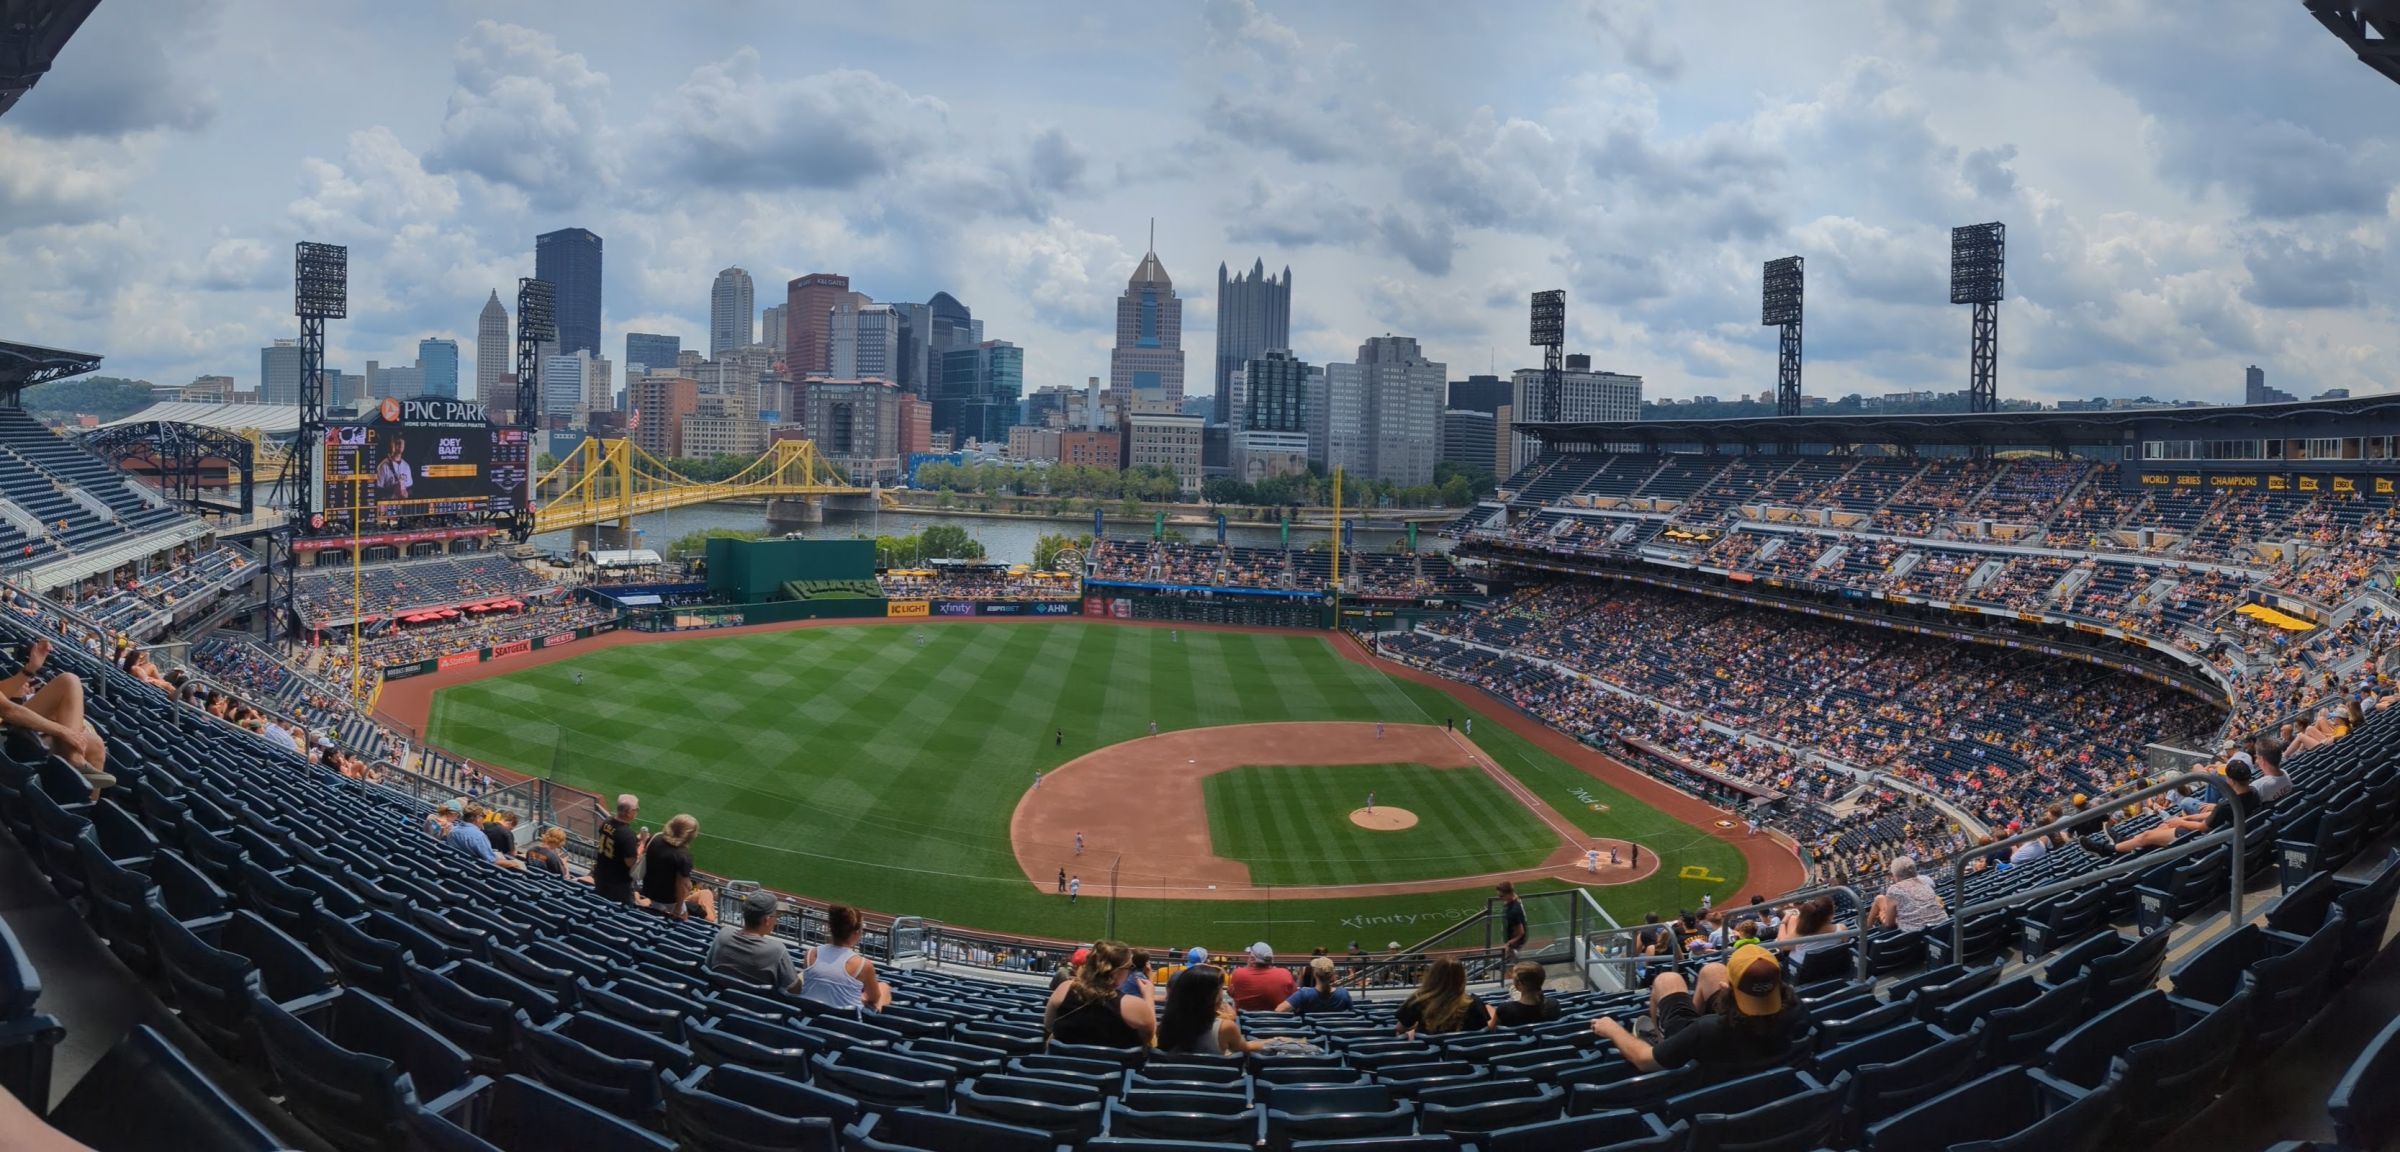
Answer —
948 542
696 543
1050 546
107 397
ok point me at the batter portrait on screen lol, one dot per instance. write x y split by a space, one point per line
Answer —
393 476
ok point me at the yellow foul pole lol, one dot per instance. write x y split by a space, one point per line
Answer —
1337 535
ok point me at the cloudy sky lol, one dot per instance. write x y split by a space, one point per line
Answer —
2189 185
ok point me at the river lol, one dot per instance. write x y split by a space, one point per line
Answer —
1008 541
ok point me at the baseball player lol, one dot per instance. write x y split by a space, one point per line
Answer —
1037 779
1591 860
1079 843
1074 889
1370 803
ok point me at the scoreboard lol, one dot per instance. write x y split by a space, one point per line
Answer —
423 457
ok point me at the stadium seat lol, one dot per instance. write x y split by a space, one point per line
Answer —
2364 1106
2124 973
356 1065
28 1038
1795 1121
920 1130
2164 1065
1930 1000
1881 1089
1628 1088
2190 884
1144 1144
523 1115
881 1090
1471 1110
738 1110
776 1049
2283 977
1011 1100
213 965
484 1026
2012 1110
1238 1125
178 1106
2020 1032
1285 1128
609 1065
1624 1130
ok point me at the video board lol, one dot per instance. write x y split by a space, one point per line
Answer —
423 457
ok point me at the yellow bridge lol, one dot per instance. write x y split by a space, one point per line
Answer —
605 480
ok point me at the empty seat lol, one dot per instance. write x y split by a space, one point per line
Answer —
1065 1111
2165 1066
522 1115
878 1089
740 1110
604 1063
1623 1129
2364 1106
145 1094
919 1130
2012 1110
2282 977
27 1038
354 1068
756 1044
1286 1128
1124 1118
1470 1110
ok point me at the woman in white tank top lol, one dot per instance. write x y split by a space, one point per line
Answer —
837 976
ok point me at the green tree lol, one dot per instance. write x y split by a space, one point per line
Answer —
948 542
107 397
1050 546
696 543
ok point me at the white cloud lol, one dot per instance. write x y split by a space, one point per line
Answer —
526 114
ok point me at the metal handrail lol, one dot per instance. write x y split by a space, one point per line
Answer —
1677 955
2240 834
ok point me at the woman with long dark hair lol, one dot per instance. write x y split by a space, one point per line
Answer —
1091 1007
1199 1019
1526 1003
1442 1003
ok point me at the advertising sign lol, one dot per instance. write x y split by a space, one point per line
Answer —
899 609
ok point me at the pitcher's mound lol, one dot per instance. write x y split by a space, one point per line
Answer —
1383 819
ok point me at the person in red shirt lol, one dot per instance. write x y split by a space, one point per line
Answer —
1259 986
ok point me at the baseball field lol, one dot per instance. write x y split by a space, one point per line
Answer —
894 766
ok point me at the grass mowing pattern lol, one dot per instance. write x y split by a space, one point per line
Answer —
857 764
1291 823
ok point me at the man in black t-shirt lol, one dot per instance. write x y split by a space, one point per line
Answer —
1742 1016
1512 911
621 845
2210 818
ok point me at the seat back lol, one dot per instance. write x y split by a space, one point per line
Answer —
145 1094
2286 990
622 1086
703 1120
921 1128
1285 1129
525 1115
1879 1090
2162 1083
1622 1129
2125 973
2364 1106
353 1099
1796 1123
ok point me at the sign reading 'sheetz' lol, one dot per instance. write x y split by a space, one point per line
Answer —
430 410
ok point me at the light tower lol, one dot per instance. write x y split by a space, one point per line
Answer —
1779 304
537 320
320 292
1550 334
1978 255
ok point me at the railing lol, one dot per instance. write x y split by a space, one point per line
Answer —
1603 951
2238 835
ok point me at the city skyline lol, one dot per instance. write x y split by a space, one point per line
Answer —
2167 229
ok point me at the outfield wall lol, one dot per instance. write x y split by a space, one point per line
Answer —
1245 612
496 652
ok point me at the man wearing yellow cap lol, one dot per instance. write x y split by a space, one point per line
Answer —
1743 1014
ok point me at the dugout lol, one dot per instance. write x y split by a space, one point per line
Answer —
752 571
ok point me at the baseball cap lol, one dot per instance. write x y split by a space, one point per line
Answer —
1757 980
761 901
454 808
1078 956
1196 957
1261 952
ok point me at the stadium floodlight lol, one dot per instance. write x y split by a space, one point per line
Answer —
1978 260
321 280
1550 334
1779 305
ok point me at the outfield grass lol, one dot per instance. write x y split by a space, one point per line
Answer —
857 764
1291 824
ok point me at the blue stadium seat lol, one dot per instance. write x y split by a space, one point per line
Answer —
1031 1104
2364 1106
485 1026
1627 1087
2164 1064
881 1090
1795 1121
919 1130
2019 1032
145 1094
1881 1089
1470 1110
523 1115
1144 1144
739 1110
2282 977
1239 1125
601 1062
1623 1130
2012 1110
1420 1143
1285 1128
355 1066
214 964
755 1044
28 1037
2125 973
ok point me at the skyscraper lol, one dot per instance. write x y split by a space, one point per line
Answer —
865 342
1254 315
651 350
1270 392
770 328
1380 417
731 304
808 322
439 361
494 357
1583 395
981 393
279 373
570 259
2254 388
1148 360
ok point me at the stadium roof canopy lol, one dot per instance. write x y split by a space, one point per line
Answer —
24 365
2370 27
1971 429
31 33
271 419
